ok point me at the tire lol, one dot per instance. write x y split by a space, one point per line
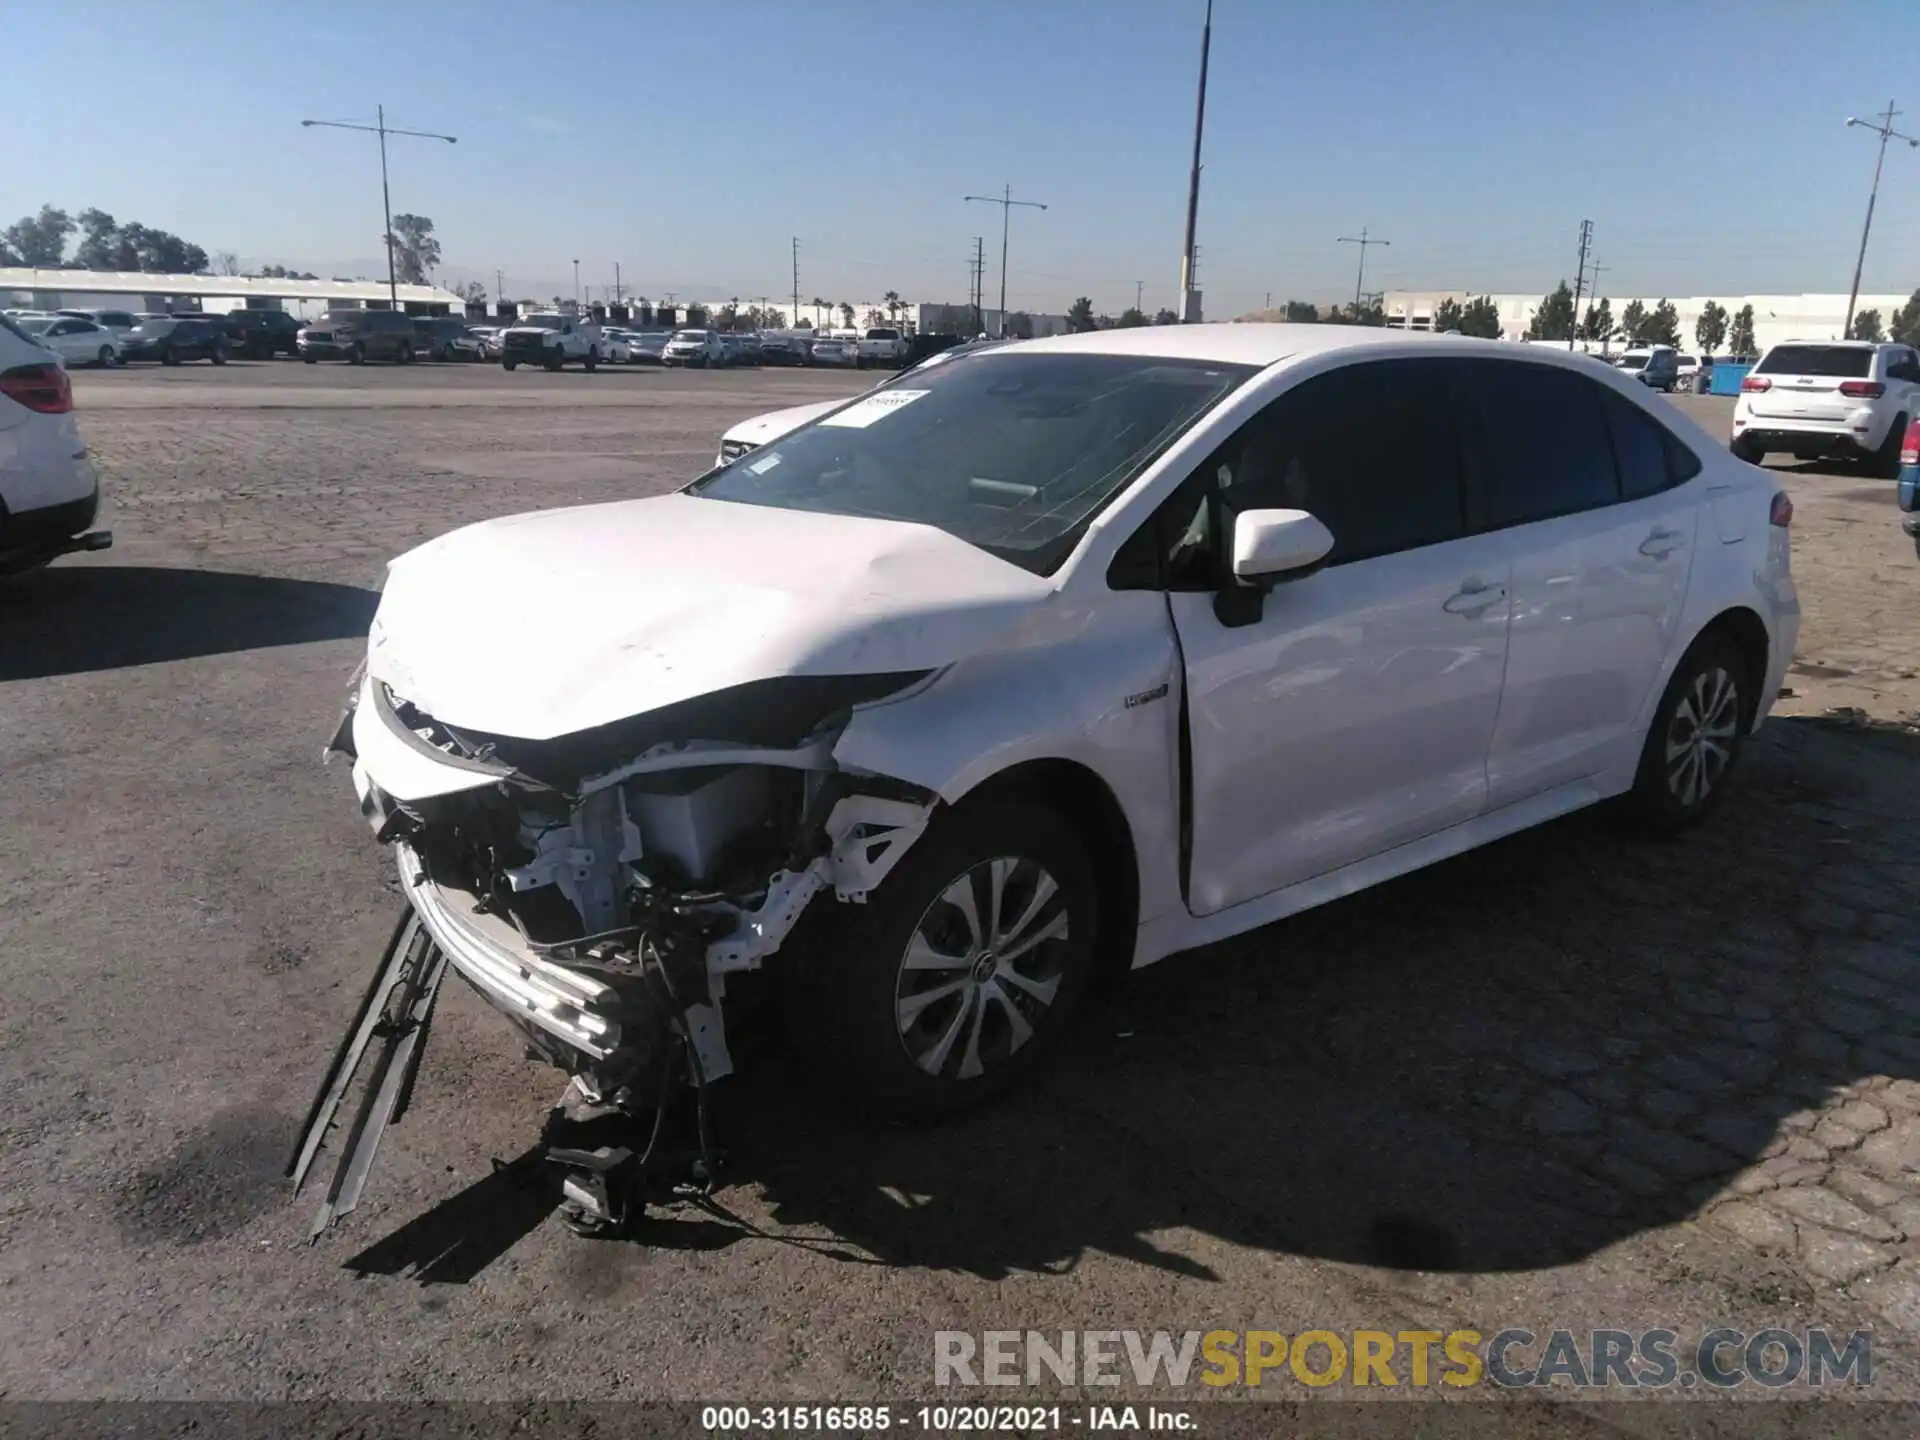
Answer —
405 355
1886 460
357 355
1747 450
847 984
592 359
1686 766
556 363
217 356
509 364
105 359
167 357
311 359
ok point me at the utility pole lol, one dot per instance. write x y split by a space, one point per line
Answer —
616 282
499 289
1886 132
386 200
1267 304
977 289
576 284
1006 202
1580 278
795 320
1139 292
1363 240
1594 268
1189 254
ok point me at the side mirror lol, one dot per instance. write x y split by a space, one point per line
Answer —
1269 547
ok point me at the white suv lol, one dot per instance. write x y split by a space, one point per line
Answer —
1814 398
1070 655
49 494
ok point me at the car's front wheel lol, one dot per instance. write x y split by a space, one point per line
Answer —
105 357
1694 741
593 359
357 355
962 969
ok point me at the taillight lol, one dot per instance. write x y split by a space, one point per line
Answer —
1782 512
1863 389
38 387
1910 447
1754 384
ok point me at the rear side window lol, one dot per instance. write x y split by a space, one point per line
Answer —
1639 448
1540 442
1842 362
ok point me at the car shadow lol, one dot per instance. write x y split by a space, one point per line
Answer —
1507 1062
72 619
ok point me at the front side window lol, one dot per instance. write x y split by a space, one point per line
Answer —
1539 440
1012 453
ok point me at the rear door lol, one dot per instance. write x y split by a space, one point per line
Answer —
1804 382
1591 495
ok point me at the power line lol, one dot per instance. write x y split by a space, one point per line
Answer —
1006 202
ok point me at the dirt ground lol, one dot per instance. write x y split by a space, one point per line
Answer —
1571 1080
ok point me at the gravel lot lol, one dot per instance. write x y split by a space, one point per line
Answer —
1571 1080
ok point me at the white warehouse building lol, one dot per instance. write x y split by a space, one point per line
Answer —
1775 317
29 289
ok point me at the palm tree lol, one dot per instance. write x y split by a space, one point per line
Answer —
818 305
892 297
846 313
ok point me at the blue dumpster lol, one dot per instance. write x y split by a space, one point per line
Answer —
1727 377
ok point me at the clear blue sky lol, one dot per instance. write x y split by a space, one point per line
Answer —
690 140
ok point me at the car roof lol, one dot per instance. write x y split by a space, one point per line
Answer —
1833 344
1262 344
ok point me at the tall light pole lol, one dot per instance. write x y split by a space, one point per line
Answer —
1884 129
576 284
382 129
1363 240
1006 202
1189 254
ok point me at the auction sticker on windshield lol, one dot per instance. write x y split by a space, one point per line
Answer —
875 407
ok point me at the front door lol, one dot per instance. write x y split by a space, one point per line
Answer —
1354 714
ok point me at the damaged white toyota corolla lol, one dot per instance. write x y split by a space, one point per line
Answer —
1066 656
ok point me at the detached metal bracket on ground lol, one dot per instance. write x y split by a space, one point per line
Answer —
397 1009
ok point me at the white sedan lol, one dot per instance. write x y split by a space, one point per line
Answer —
1062 656
75 341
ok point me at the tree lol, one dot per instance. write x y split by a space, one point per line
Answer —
1080 316
1164 316
1020 325
846 313
225 262
1480 317
876 316
472 293
1131 318
1905 328
1446 315
728 317
281 272
39 240
415 252
1553 319
105 244
1710 330
1599 322
1663 325
818 305
894 305
1633 321
1866 326
1301 312
1740 342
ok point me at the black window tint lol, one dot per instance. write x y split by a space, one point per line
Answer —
1368 449
1639 448
1540 440
1682 463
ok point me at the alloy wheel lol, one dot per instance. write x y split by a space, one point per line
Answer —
982 969
1701 735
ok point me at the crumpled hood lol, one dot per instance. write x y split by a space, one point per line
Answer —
545 624
764 429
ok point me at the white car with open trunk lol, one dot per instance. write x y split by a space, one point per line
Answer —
1057 659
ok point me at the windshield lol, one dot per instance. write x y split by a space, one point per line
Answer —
36 326
698 337
1844 362
1633 362
544 322
1012 453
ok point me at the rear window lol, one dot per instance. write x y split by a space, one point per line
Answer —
1845 362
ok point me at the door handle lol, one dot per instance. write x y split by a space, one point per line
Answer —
1474 601
1662 543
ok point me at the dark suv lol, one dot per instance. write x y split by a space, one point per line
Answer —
171 339
441 337
357 336
262 334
